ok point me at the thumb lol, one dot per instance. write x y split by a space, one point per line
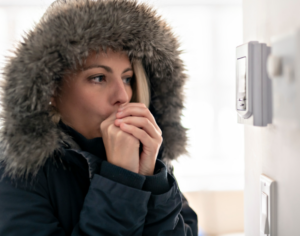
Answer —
107 121
112 116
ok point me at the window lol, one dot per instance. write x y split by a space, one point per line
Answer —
209 32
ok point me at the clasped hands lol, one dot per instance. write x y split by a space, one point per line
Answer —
138 125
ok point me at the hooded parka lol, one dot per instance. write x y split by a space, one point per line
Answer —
54 181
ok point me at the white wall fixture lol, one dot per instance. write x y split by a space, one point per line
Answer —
253 86
267 206
283 69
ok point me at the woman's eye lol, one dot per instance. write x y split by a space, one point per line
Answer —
128 80
98 78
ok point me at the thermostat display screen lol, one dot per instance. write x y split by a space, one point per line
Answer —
242 75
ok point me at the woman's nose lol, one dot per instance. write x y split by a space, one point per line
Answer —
119 92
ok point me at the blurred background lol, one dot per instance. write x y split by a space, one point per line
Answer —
212 177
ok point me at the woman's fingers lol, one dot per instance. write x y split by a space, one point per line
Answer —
140 122
146 140
140 110
137 120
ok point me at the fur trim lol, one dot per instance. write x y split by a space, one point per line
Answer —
65 34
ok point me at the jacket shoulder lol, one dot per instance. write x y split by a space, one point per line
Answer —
61 162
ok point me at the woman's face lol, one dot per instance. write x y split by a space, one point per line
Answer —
90 96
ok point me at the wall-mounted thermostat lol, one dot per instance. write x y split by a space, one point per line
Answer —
253 87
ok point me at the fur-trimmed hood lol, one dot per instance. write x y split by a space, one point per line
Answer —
65 34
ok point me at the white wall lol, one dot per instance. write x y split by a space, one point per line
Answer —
274 150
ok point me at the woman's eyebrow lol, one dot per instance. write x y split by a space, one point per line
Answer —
108 69
128 69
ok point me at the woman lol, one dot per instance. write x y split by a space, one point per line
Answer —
91 119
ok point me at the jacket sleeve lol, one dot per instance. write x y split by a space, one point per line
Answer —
109 208
169 212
